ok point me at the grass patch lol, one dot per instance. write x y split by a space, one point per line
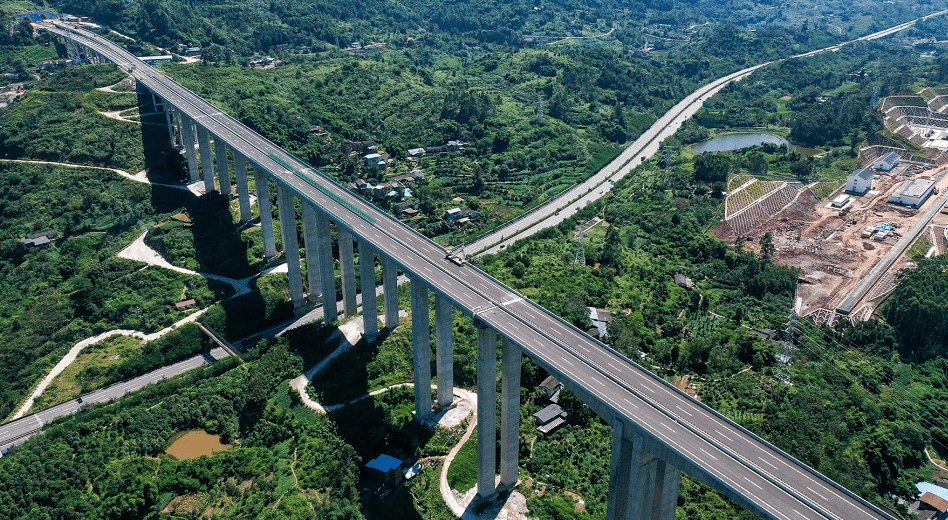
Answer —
919 249
462 475
823 190
88 369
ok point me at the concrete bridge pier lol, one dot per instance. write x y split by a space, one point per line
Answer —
421 340
223 171
207 160
486 409
641 485
327 274
311 244
266 213
291 247
509 414
347 271
176 116
444 350
370 312
390 292
189 150
243 189
170 121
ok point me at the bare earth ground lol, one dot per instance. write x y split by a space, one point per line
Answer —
826 243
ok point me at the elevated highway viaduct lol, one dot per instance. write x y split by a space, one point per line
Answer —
658 430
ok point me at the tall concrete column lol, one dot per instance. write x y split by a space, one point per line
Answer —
327 274
207 160
347 271
243 189
169 120
486 409
421 340
311 243
444 350
291 246
189 151
370 311
624 450
509 414
223 171
178 123
390 291
641 486
266 213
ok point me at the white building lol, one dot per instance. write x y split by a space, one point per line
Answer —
886 162
913 193
859 181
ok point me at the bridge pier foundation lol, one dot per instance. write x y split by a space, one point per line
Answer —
347 272
327 273
291 247
421 341
189 151
370 311
390 292
486 410
641 486
266 213
444 350
311 244
243 189
223 171
207 160
509 414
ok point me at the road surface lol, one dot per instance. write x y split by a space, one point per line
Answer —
18 431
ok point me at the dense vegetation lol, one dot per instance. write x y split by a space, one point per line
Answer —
863 402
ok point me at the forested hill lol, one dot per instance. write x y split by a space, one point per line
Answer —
247 27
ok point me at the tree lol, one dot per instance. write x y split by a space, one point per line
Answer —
767 248
712 167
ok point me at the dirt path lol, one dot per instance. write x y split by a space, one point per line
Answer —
142 253
138 177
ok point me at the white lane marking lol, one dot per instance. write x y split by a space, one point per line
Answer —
799 513
667 426
568 362
631 403
613 366
722 435
767 463
683 410
753 483
817 494
708 454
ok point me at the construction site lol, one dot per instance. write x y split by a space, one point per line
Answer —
850 245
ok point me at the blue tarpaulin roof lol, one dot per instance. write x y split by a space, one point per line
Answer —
385 463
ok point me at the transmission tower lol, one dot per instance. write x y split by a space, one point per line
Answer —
540 106
579 258
875 96
787 346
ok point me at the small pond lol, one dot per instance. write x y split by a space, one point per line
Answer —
729 142
193 444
